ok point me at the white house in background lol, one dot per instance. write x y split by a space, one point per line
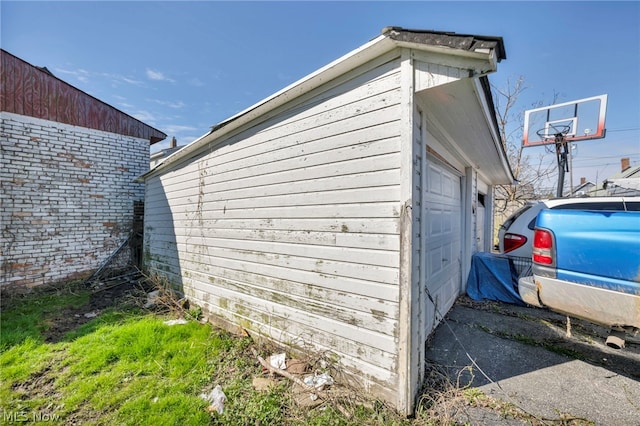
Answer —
330 214
582 189
157 157
624 183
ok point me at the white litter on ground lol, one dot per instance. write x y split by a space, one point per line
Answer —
278 361
176 321
216 398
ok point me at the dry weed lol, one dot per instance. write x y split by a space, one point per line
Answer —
163 298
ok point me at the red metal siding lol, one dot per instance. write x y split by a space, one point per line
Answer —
31 91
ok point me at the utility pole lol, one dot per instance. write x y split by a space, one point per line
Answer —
571 148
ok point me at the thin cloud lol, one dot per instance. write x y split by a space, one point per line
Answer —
120 79
196 82
170 104
158 76
145 117
84 76
129 80
125 105
173 129
80 74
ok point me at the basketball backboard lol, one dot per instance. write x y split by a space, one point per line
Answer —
576 120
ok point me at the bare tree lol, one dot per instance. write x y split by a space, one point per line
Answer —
531 173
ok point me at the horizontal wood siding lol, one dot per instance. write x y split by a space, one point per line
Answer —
290 228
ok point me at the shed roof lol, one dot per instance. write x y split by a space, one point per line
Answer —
469 46
36 92
469 42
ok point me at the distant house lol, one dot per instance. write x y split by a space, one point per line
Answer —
341 213
159 156
624 183
583 189
68 167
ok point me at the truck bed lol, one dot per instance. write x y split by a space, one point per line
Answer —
595 273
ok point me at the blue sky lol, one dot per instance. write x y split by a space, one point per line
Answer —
185 66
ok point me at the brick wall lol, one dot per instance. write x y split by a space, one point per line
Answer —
67 198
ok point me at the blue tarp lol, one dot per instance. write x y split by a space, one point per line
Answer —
494 277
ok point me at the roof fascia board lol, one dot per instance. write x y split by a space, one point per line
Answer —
495 136
229 133
346 63
477 63
315 91
369 51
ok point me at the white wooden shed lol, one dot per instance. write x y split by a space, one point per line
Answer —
327 214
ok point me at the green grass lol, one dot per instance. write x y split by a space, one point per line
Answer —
26 318
127 367
124 367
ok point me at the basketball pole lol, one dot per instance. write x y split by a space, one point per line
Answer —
563 165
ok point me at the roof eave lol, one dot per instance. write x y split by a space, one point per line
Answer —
486 99
367 52
376 47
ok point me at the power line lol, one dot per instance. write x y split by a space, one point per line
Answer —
594 162
606 156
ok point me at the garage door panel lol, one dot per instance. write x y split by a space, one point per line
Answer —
435 219
443 239
448 186
443 297
443 221
434 265
443 186
447 223
435 181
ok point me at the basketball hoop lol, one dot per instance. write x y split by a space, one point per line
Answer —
561 124
559 131
585 118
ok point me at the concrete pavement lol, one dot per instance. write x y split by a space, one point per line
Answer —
530 362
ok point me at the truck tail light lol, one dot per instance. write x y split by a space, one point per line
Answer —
513 241
543 249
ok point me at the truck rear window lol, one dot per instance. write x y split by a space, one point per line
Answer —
603 205
617 206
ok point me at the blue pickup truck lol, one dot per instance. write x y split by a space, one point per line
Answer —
586 264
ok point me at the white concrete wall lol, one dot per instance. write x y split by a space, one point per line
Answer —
67 197
290 228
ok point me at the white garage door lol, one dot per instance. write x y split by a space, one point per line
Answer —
443 235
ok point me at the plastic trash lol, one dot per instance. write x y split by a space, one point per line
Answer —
152 299
278 361
319 381
216 398
176 321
